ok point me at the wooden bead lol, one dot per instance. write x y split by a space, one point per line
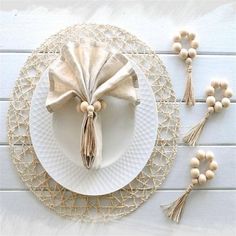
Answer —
194 44
194 162
192 52
210 174
104 105
228 93
218 106
210 91
192 36
188 61
215 83
177 47
201 155
78 107
225 102
183 33
195 173
209 156
211 110
202 179
210 101
183 53
194 181
177 38
90 108
213 165
224 84
83 106
97 106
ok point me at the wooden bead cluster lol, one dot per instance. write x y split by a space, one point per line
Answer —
184 54
216 106
91 108
200 178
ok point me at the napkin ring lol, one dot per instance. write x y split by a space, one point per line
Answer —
213 106
174 210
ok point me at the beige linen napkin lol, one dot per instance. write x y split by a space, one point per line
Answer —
86 71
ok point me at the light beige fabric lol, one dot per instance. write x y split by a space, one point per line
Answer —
89 72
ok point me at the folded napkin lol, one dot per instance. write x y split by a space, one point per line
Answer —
88 72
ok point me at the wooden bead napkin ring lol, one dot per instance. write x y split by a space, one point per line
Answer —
213 106
187 56
174 210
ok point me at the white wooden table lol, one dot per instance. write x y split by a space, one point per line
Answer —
210 210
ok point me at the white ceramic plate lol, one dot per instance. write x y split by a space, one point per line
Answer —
129 135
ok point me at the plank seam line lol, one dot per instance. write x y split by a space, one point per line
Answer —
207 53
159 190
198 101
223 145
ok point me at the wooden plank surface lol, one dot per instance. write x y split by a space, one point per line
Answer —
179 176
220 128
152 21
22 214
205 68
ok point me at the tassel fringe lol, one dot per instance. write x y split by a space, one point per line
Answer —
192 136
189 94
88 142
174 210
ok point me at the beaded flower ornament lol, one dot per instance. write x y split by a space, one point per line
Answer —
213 106
187 56
174 210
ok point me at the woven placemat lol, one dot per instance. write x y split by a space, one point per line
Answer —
50 193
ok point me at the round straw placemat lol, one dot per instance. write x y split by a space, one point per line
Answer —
50 193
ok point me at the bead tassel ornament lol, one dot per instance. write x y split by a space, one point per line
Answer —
174 210
88 143
187 56
213 106
189 94
193 135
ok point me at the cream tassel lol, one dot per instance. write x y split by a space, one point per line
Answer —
88 141
174 210
189 94
192 136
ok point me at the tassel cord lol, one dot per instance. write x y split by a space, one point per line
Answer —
189 93
192 136
174 210
88 141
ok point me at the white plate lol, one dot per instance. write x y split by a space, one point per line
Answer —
129 136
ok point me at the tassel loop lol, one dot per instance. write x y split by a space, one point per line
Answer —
88 144
192 136
88 140
174 210
189 94
189 69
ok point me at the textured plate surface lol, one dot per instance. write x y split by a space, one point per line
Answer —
116 172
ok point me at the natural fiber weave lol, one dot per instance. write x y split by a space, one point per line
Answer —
49 192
